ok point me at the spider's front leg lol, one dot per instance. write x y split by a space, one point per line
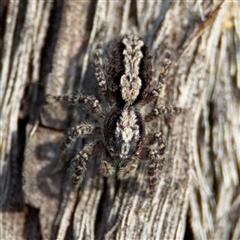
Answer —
79 162
92 102
80 130
156 161
155 157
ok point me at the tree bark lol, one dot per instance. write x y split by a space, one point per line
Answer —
47 47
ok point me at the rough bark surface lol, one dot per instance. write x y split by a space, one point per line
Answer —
47 47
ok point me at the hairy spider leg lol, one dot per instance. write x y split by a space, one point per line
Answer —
156 162
164 72
155 157
101 81
80 130
155 92
81 158
152 138
163 110
92 102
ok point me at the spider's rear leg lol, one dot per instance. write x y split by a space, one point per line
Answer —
106 167
154 94
79 161
80 130
92 102
101 81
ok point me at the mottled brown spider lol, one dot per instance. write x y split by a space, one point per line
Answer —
125 85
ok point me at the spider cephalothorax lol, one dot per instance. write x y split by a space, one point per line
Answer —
123 133
126 86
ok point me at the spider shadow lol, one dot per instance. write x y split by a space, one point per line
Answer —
12 197
124 190
52 177
74 114
50 164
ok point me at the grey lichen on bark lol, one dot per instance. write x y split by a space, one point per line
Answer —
47 47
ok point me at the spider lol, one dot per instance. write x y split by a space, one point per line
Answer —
125 86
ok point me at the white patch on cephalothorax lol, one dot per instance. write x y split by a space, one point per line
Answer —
127 126
127 129
130 82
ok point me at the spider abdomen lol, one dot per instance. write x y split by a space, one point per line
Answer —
124 131
130 71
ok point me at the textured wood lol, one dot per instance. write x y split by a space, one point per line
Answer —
47 47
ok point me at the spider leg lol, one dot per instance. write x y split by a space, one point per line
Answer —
156 161
127 170
154 94
101 81
106 167
159 111
92 102
152 138
164 72
79 161
80 130
149 140
156 157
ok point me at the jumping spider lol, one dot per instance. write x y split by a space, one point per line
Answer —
126 88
